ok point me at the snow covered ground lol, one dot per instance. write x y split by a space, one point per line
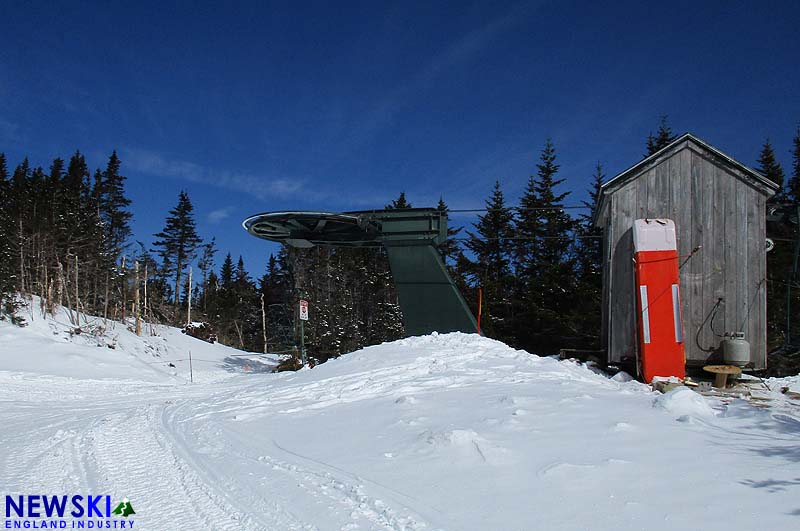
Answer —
441 432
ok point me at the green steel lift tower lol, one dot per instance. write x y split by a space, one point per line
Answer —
429 299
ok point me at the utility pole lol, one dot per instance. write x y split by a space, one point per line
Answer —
137 308
124 289
189 299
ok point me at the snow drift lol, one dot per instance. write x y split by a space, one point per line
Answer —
441 432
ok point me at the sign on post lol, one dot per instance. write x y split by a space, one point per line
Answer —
303 317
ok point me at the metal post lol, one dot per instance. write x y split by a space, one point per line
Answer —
302 344
792 278
480 308
189 300
264 322
191 373
137 308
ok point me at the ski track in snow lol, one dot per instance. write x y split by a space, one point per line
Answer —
348 503
440 428
150 448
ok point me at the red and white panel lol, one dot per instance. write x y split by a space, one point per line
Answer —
659 319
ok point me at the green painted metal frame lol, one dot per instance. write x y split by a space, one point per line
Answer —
429 299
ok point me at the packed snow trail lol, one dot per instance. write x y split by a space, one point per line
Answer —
449 432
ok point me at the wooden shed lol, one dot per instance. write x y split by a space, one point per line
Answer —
719 208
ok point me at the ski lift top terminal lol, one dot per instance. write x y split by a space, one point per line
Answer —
429 299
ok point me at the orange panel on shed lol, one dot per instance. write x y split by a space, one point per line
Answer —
660 324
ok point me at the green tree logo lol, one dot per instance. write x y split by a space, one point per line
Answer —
124 508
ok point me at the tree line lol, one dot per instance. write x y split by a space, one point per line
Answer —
65 236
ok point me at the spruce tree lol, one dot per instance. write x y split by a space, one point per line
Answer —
779 260
661 139
21 213
178 242
794 182
80 211
769 167
247 311
492 247
587 316
453 255
225 301
590 258
241 279
399 203
226 273
545 260
112 205
554 225
54 191
450 249
206 266
6 235
782 256
276 287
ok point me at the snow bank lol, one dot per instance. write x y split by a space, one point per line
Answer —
441 432
683 403
110 350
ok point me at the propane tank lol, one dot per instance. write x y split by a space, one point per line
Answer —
735 349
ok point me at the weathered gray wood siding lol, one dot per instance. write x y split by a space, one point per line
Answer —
713 207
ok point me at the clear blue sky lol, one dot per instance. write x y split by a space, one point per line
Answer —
260 106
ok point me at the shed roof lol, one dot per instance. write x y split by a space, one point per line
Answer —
685 141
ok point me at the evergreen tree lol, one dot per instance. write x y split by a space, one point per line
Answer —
241 279
206 266
492 248
779 260
6 235
794 182
226 273
21 212
587 316
399 203
223 308
54 191
769 167
450 249
545 259
112 205
554 225
453 255
178 241
661 139
76 178
80 223
247 311
590 260
276 288
272 278
211 299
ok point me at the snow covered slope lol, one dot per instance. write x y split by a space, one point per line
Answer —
109 350
441 432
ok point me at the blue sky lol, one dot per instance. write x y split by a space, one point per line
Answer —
261 106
